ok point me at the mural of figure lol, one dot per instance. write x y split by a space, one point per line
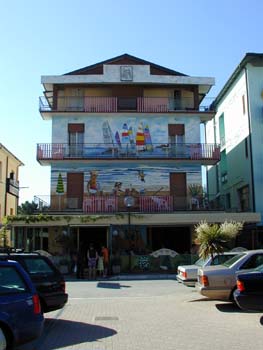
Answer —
141 175
93 185
117 188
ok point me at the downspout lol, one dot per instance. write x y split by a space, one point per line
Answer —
6 175
250 143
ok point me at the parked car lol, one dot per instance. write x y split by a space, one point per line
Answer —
219 282
249 292
21 319
187 274
49 282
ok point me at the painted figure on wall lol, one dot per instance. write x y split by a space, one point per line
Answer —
93 185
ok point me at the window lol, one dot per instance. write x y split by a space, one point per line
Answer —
222 130
253 262
11 281
223 167
1 170
243 194
76 139
228 201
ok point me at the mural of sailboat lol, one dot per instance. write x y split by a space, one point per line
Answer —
131 136
125 139
117 139
140 138
148 139
107 135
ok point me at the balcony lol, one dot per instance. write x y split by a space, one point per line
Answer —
197 152
90 104
107 204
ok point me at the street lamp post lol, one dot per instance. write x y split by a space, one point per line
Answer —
129 203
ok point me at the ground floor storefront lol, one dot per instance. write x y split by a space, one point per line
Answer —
139 244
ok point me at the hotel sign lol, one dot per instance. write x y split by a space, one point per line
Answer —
12 187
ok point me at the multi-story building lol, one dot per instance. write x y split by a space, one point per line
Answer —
9 184
126 158
238 177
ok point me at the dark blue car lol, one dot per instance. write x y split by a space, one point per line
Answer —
249 292
21 319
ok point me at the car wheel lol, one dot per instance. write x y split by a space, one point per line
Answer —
231 298
3 340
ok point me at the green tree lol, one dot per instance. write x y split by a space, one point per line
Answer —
213 238
60 185
27 208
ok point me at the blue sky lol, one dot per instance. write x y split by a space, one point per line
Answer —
198 38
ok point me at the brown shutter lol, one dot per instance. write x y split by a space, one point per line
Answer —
75 127
175 129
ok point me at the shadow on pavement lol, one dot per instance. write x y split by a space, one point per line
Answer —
64 333
200 299
111 285
229 307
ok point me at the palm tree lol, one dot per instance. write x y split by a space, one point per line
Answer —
213 237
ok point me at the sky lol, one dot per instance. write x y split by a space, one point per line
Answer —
205 38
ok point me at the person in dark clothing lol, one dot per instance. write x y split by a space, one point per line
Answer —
80 265
92 256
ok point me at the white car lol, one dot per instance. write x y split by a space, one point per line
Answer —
219 282
187 274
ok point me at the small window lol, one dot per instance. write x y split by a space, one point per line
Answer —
243 194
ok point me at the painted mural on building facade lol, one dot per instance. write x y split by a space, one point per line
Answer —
130 136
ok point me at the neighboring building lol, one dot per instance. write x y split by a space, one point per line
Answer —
9 184
126 160
238 127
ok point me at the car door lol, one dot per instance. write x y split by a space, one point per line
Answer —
15 298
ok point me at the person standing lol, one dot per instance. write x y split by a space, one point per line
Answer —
105 254
100 267
92 257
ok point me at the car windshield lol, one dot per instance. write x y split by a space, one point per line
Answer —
10 281
200 262
231 261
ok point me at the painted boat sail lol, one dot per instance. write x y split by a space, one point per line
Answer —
125 139
131 136
107 135
117 139
140 138
148 139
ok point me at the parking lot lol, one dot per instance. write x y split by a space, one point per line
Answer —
146 314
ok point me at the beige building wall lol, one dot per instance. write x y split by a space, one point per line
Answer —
9 168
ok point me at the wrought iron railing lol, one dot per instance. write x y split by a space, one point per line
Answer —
101 104
142 203
190 151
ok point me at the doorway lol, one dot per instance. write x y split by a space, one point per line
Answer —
178 190
95 235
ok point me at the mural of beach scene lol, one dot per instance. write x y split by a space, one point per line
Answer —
143 178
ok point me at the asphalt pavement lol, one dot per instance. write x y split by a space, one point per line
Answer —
148 314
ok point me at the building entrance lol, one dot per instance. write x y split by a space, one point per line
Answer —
95 235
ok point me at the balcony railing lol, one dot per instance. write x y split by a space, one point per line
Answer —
99 104
190 151
115 204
